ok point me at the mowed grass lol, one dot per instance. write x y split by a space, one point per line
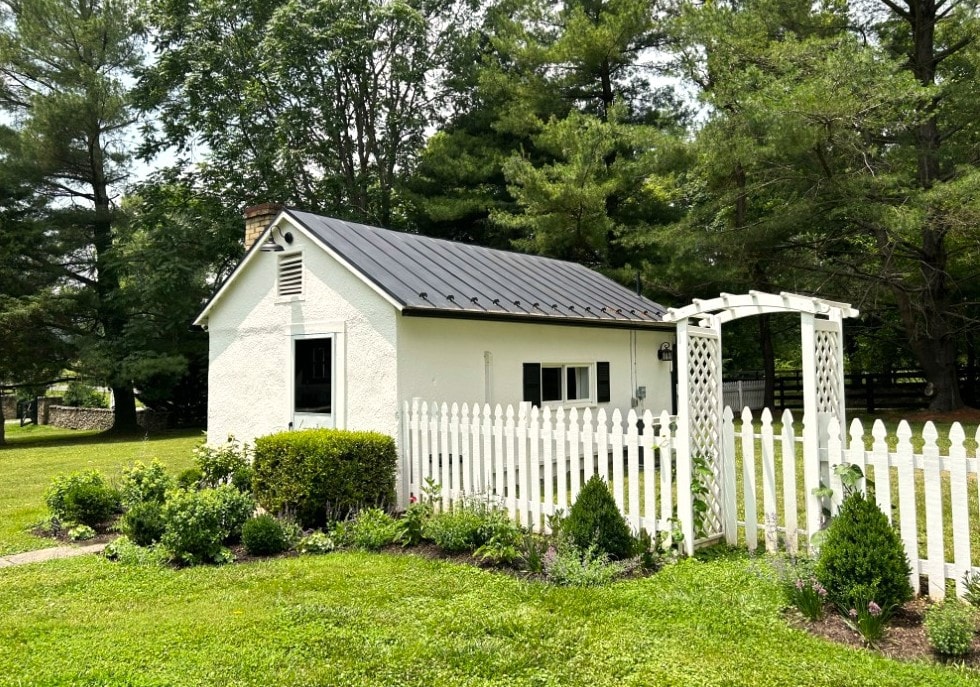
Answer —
381 619
33 456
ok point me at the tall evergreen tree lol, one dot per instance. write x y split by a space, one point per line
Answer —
65 63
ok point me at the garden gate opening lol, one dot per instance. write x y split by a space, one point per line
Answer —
705 460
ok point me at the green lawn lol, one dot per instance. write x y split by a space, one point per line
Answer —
34 455
377 619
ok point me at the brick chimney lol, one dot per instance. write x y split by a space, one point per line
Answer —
257 218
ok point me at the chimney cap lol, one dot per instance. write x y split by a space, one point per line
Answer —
262 209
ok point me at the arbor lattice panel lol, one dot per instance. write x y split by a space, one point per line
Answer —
704 384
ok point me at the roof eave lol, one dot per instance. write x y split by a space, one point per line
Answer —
537 319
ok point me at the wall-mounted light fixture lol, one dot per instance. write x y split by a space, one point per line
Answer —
665 352
271 246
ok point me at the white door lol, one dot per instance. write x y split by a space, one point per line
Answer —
314 381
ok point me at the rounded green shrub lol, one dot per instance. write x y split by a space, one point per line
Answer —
319 475
862 558
197 524
458 530
143 523
371 529
191 478
264 535
594 520
82 497
142 483
950 627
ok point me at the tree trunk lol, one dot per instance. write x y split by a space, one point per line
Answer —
124 421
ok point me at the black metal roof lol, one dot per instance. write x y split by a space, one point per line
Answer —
439 278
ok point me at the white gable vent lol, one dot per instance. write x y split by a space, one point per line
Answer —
291 275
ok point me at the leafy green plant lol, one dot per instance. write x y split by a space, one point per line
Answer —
316 543
126 552
82 497
371 529
501 537
229 463
971 584
869 620
82 395
143 523
323 474
594 521
81 533
457 530
862 557
701 476
533 548
198 523
571 567
264 535
800 586
191 478
141 483
411 526
950 627
648 551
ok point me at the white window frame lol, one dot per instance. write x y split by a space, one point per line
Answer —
318 330
566 402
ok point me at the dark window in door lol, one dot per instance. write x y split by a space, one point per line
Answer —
314 376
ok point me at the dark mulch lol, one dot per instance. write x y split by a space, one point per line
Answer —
905 638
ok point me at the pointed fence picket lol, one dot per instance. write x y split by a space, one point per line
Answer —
533 462
940 533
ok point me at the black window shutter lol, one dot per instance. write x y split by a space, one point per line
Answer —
532 383
602 382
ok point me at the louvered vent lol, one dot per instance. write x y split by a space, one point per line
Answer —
291 275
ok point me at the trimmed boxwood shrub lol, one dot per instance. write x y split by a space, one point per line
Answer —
264 535
143 523
320 474
862 558
594 520
82 497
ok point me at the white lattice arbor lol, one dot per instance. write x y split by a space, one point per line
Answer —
702 460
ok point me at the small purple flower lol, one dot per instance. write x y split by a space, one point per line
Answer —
799 584
853 613
874 609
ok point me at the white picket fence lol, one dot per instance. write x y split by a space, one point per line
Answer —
534 462
932 498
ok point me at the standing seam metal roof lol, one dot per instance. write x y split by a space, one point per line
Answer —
438 277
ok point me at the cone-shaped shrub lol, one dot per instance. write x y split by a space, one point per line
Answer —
594 519
862 558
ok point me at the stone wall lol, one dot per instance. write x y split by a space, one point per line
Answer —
9 406
101 418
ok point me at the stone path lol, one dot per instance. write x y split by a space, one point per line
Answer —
49 554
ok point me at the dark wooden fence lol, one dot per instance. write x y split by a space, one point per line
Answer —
872 391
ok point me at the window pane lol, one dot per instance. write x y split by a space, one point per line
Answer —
578 383
551 384
313 368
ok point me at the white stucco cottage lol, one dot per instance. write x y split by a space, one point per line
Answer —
331 323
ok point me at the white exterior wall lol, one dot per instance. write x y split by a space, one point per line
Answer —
251 332
444 360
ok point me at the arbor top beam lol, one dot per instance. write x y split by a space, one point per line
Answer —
727 307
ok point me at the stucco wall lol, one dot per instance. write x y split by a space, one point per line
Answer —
444 360
251 333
